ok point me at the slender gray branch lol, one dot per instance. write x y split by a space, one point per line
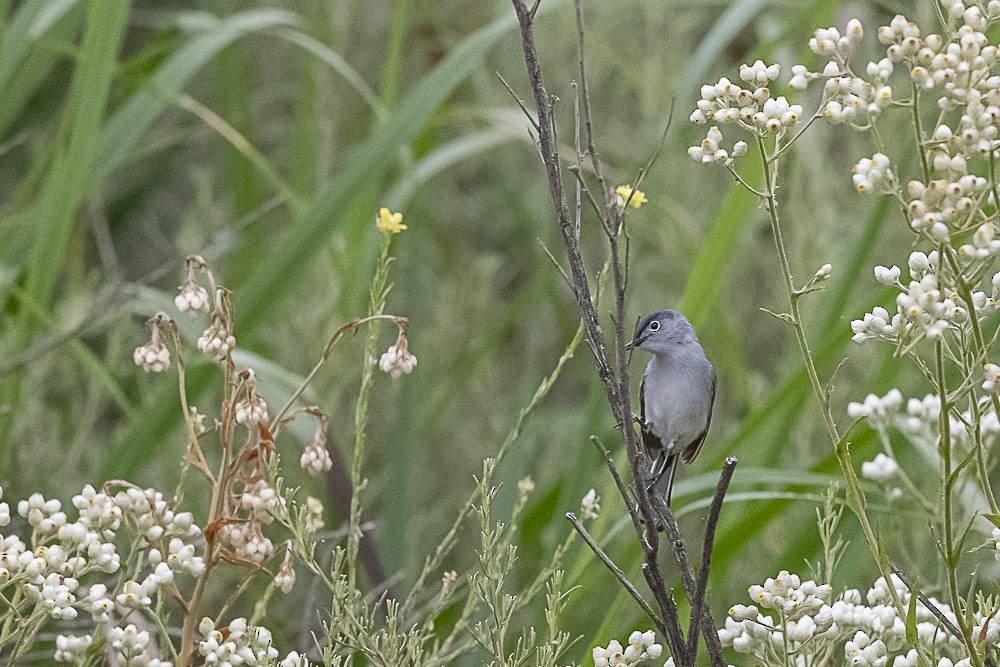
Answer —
615 570
698 605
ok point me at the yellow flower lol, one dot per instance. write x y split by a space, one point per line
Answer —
638 197
388 222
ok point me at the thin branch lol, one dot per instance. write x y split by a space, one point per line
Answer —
615 570
698 603
931 607
520 102
579 159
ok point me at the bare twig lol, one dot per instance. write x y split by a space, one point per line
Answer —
698 603
931 607
615 570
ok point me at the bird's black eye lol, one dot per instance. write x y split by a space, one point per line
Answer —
654 326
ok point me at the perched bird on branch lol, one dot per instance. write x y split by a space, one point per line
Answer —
675 397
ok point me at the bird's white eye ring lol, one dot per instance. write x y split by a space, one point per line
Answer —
654 326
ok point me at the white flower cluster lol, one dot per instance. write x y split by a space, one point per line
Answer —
153 356
315 457
217 341
72 648
880 412
919 423
64 568
711 150
941 205
398 359
590 505
751 108
873 175
880 469
132 645
251 410
192 298
926 306
809 626
243 644
642 646
847 95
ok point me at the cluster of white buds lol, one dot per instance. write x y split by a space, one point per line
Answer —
873 175
805 615
63 569
880 412
879 469
192 297
153 356
877 325
935 208
247 541
829 43
711 150
260 499
751 108
252 409
847 95
924 305
641 646
984 243
284 580
314 514
242 644
316 457
991 372
398 360
72 648
45 515
590 506
217 341
810 626
863 651
888 276
180 558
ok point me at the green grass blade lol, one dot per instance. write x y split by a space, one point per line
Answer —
290 254
128 126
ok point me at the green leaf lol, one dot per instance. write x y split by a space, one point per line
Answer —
911 617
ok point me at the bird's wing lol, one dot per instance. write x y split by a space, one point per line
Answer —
691 451
651 443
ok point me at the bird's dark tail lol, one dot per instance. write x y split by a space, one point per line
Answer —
662 476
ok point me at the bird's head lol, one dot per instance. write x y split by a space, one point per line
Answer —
663 331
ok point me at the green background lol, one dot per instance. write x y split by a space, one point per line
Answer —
114 165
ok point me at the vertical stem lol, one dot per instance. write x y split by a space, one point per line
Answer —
378 295
807 358
951 558
915 96
965 292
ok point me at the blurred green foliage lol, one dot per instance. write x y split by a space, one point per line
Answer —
265 137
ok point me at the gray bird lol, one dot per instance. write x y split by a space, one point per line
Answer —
676 395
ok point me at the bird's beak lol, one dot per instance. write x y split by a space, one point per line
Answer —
634 344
